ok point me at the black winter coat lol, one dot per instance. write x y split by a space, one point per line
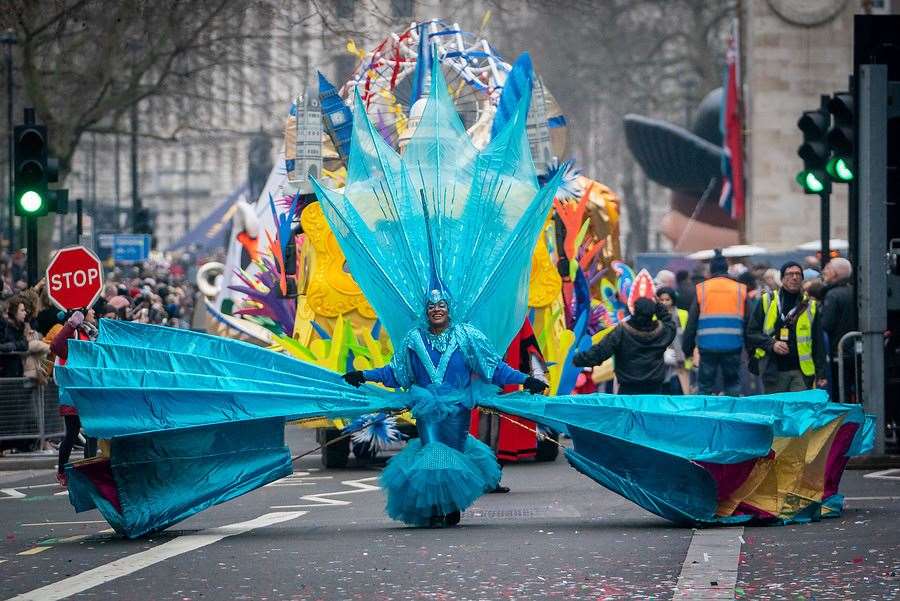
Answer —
638 354
838 314
12 340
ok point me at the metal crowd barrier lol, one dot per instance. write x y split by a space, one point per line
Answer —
29 411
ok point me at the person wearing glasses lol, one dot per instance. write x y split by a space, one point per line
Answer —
784 336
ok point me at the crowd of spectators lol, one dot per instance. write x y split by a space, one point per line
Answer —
761 352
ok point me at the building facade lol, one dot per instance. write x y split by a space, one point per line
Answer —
793 51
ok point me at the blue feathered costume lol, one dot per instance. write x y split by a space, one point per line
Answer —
194 420
445 469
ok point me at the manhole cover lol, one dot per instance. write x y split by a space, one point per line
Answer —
519 513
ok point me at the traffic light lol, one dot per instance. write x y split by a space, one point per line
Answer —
841 138
814 151
143 222
31 166
34 170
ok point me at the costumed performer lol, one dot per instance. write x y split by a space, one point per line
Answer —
442 472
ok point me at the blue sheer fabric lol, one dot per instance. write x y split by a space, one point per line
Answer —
649 448
183 407
482 211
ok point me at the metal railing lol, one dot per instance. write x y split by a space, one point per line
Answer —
29 410
842 386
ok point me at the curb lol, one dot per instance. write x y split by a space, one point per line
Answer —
27 461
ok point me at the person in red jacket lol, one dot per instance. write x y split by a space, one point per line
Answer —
80 327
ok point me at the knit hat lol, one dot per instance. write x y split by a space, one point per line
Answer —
788 265
665 290
718 265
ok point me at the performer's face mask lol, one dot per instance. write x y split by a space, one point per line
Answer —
438 312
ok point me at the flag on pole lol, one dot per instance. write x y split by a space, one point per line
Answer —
732 197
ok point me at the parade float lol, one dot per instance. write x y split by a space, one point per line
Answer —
285 284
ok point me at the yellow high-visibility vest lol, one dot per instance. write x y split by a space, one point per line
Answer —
802 330
682 320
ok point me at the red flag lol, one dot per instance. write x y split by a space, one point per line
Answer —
732 128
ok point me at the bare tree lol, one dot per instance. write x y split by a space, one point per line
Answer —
84 63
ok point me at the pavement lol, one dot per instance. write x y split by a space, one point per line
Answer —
322 534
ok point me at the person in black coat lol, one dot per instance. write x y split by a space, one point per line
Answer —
12 339
637 346
838 316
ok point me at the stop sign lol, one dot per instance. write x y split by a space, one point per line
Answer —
74 278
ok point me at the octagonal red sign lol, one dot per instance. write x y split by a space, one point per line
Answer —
74 278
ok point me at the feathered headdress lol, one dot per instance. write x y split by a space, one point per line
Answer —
443 212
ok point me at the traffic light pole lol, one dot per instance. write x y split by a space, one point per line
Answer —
825 225
825 210
31 235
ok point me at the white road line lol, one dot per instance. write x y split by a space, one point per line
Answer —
64 523
37 486
15 493
884 474
711 565
323 499
138 561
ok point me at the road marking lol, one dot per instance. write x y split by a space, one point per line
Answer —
34 551
132 563
15 492
66 539
872 498
323 499
884 474
711 565
30 486
64 523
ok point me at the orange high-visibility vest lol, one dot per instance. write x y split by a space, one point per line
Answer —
721 325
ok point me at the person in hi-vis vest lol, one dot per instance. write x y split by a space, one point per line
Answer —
784 335
716 327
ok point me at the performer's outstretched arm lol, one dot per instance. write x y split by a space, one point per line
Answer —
384 375
505 375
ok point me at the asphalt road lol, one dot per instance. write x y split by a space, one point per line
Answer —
322 534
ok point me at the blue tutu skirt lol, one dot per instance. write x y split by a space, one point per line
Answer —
442 471
434 479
